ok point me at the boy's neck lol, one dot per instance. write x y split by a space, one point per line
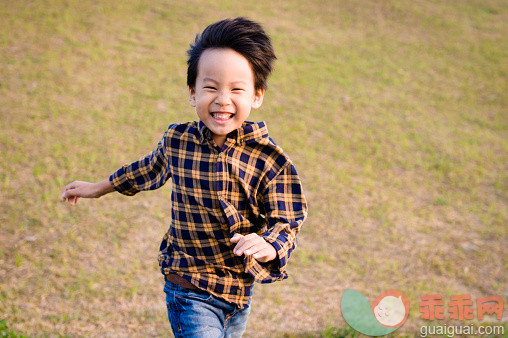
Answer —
219 139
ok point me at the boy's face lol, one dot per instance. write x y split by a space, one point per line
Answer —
224 93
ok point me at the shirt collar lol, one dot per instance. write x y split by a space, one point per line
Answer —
203 132
247 133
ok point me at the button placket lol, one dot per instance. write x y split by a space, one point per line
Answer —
222 172
222 181
219 168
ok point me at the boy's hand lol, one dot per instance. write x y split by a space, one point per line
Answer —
73 191
255 246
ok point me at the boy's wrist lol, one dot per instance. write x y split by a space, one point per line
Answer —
102 188
273 263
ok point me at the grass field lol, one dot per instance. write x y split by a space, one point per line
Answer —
394 113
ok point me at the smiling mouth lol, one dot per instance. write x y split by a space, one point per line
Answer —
222 116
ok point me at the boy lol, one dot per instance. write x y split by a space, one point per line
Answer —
237 201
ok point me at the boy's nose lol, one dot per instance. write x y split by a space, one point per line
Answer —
223 99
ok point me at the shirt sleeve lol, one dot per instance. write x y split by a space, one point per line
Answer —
150 172
285 209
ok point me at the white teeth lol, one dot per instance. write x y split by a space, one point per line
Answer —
221 116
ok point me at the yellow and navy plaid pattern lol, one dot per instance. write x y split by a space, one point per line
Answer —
249 185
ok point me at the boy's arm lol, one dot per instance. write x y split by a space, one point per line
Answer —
286 209
73 191
150 172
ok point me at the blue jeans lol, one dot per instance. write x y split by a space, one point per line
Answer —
197 313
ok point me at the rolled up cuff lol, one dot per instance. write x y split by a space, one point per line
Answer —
120 182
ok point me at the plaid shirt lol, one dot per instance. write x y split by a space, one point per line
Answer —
249 185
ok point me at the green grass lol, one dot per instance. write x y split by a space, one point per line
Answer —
394 113
6 333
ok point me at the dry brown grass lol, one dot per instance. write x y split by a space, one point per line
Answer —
393 112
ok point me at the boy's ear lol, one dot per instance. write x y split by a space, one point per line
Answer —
258 98
192 97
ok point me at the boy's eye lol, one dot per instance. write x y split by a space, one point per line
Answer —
237 89
210 87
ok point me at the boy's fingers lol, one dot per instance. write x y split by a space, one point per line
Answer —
261 255
236 238
70 186
266 254
249 245
254 249
66 190
247 238
73 200
67 194
246 243
240 245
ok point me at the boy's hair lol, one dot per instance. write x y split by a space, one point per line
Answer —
243 36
